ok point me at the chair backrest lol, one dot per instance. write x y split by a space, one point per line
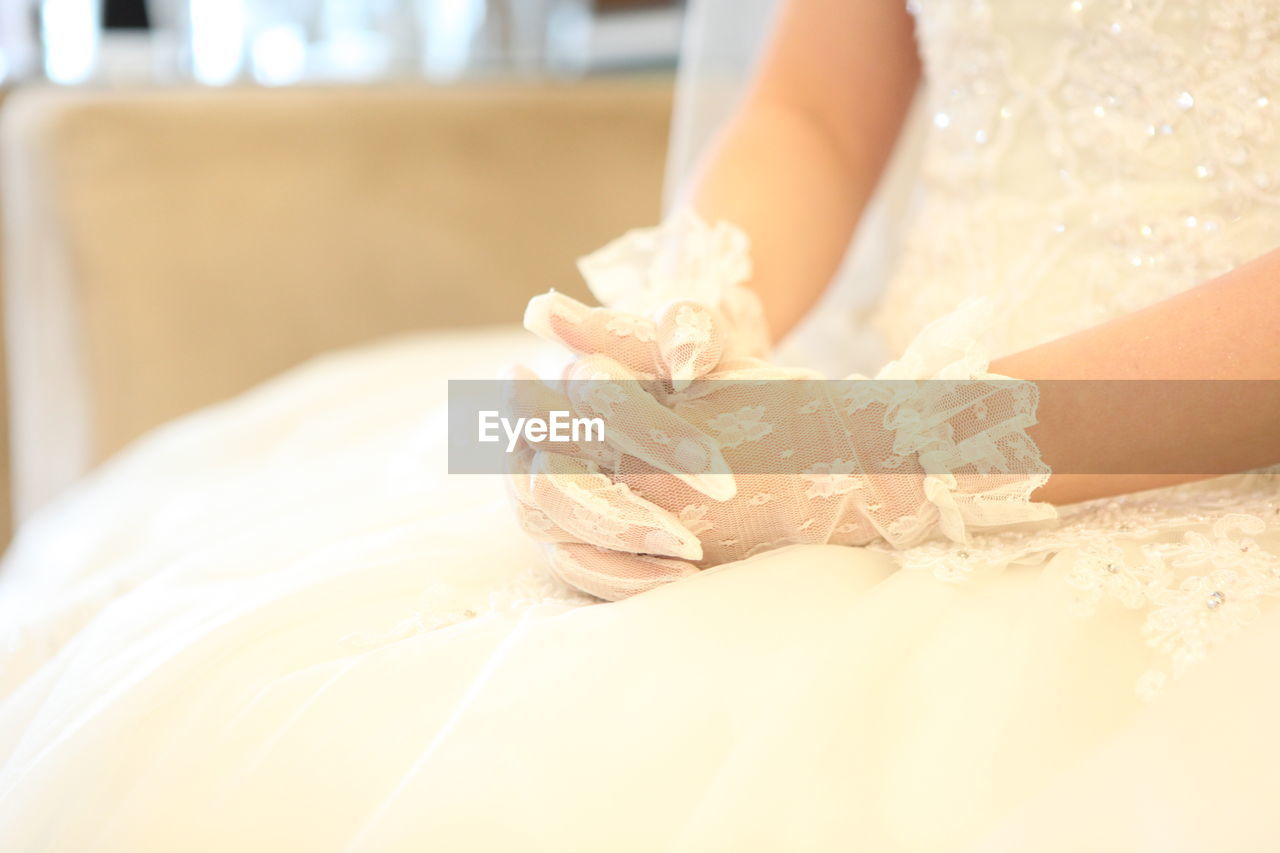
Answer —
168 249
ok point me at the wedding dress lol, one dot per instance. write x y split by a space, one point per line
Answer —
279 624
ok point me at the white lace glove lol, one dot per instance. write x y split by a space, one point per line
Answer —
658 337
604 537
813 462
752 457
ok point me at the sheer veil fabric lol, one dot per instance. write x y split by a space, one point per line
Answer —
279 624
723 41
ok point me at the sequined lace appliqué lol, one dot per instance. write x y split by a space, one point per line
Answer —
1084 159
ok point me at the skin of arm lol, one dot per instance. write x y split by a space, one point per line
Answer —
796 166
795 169
1226 329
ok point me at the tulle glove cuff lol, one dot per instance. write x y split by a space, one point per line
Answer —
965 431
685 259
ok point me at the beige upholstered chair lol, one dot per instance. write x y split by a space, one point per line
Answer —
168 249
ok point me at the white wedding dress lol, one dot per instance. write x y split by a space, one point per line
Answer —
280 625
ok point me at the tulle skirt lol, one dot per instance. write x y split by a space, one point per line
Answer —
280 625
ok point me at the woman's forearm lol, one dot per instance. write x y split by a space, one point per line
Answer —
774 175
1227 329
799 162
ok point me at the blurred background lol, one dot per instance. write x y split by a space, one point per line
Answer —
282 42
196 195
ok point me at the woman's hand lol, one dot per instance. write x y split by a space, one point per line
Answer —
602 536
678 310
747 457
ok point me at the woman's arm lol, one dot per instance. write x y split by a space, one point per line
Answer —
796 166
1227 329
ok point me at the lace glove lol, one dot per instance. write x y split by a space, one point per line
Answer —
658 337
812 461
677 307
565 494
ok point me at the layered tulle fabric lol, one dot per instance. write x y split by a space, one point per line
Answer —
280 625
373 657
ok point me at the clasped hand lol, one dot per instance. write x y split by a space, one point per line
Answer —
712 454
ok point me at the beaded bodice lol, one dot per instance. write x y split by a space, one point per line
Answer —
1086 158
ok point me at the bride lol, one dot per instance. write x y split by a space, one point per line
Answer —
279 624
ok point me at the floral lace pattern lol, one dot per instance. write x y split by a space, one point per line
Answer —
1198 559
736 428
684 259
1133 158
937 445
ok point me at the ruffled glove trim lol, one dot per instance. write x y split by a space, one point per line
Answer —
984 480
684 258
